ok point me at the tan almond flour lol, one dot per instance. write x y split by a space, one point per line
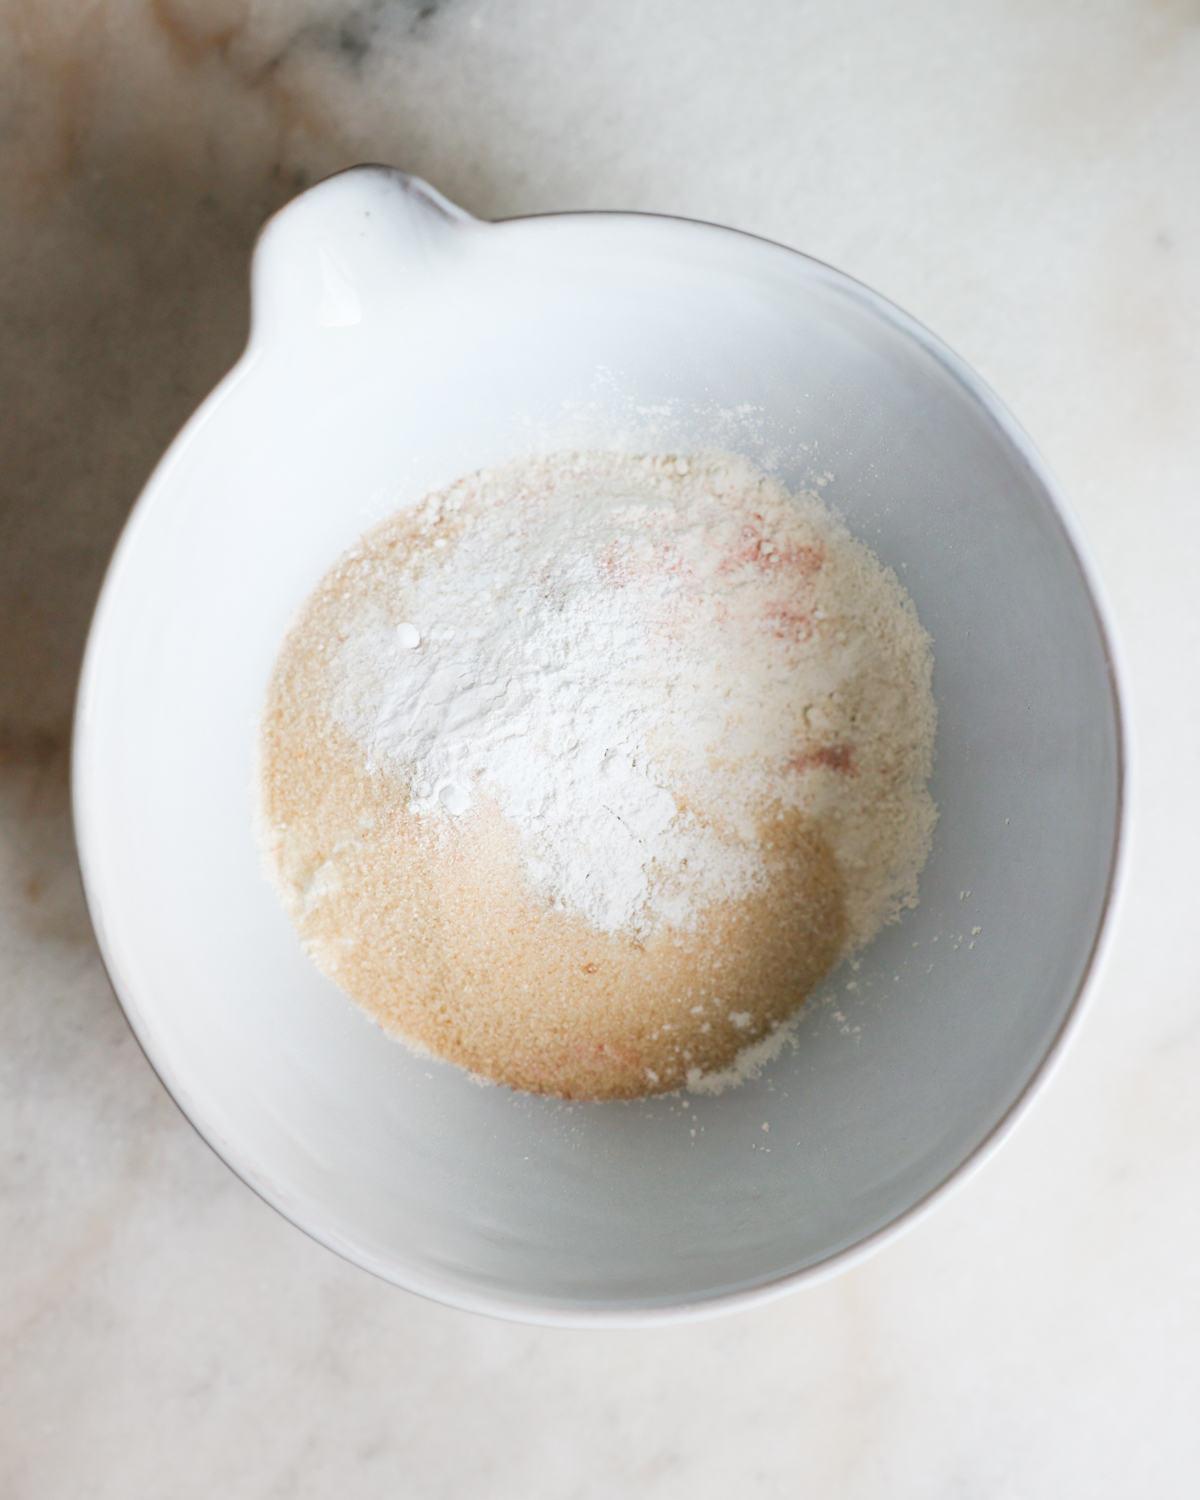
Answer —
584 772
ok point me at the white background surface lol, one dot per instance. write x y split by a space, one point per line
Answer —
1024 178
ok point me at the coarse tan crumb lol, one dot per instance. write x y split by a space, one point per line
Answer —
431 922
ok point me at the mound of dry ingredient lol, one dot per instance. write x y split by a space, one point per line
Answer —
583 772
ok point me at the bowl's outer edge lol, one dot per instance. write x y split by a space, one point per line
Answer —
455 1295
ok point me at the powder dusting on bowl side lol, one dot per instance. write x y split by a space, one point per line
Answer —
585 771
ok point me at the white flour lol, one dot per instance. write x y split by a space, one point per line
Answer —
637 659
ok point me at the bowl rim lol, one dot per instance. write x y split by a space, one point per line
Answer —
443 1289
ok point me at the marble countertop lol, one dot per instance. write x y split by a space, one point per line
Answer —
1024 179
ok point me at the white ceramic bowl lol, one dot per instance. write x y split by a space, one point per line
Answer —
396 344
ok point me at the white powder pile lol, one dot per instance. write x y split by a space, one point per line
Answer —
584 771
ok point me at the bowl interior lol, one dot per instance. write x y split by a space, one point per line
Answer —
396 348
